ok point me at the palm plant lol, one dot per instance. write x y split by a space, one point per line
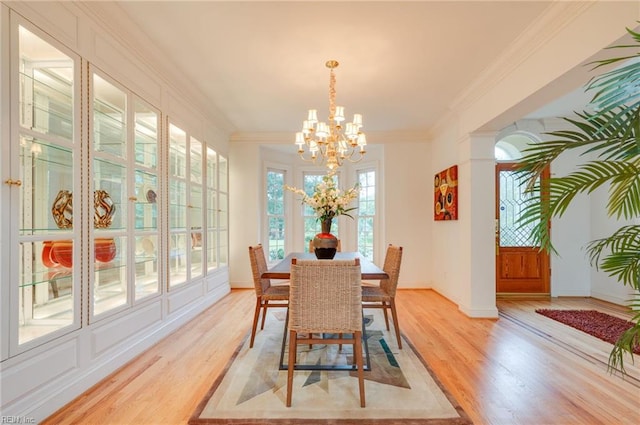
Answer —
611 135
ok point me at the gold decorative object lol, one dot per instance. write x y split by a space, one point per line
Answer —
104 209
330 142
62 210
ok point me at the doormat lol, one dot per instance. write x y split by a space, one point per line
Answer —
595 323
399 388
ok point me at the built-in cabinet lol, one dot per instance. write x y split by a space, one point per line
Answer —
43 175
114 222
125 135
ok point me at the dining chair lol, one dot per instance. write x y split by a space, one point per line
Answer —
312 249
325 297
384 295
267 295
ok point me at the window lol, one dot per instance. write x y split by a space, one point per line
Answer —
275 214
289 224
366 212
311 224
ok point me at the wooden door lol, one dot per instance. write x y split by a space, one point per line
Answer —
521 268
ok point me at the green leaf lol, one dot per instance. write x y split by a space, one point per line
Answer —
609 140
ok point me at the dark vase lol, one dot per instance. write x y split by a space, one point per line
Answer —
325 244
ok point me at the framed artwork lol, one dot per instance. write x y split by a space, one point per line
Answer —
445 203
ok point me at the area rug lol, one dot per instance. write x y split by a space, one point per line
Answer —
601 325
399 388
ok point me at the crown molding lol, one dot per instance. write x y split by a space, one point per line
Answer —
112 20
556 17
373 137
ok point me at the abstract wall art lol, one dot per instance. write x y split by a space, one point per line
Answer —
446 194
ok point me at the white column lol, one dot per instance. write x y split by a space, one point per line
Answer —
476 197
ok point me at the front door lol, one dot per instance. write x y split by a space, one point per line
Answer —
521 268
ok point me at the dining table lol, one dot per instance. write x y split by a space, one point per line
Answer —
282 270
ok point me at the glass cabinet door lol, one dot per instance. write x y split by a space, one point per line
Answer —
196 210
46 143
109 173
177 206
223 211
146 138
186 207
125 198
212 210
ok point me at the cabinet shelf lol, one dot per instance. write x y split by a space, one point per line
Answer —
144 139
109 127
50 275
51 155
56 274
48 89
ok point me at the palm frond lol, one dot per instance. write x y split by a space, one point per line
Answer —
608 61
629 340
610 139
621 260
623 346
592 134
624 193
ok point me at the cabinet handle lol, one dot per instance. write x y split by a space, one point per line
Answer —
13 182
133 198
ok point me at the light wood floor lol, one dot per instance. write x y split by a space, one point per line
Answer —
521 369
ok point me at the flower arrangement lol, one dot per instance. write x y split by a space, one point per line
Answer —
328 200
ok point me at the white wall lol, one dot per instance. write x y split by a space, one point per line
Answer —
602 285
570 271
408 210
245 176
446 276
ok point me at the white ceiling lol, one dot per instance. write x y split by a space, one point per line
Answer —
402 64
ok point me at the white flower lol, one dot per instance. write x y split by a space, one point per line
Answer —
327 200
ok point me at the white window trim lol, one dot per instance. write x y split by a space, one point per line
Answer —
288 204
379 241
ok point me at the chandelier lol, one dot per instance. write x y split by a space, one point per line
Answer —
331 143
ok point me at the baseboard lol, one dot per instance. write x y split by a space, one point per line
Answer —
610 298
528 296
479 313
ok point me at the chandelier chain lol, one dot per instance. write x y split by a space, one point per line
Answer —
332 97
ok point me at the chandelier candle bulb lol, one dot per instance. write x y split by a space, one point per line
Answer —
323 130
